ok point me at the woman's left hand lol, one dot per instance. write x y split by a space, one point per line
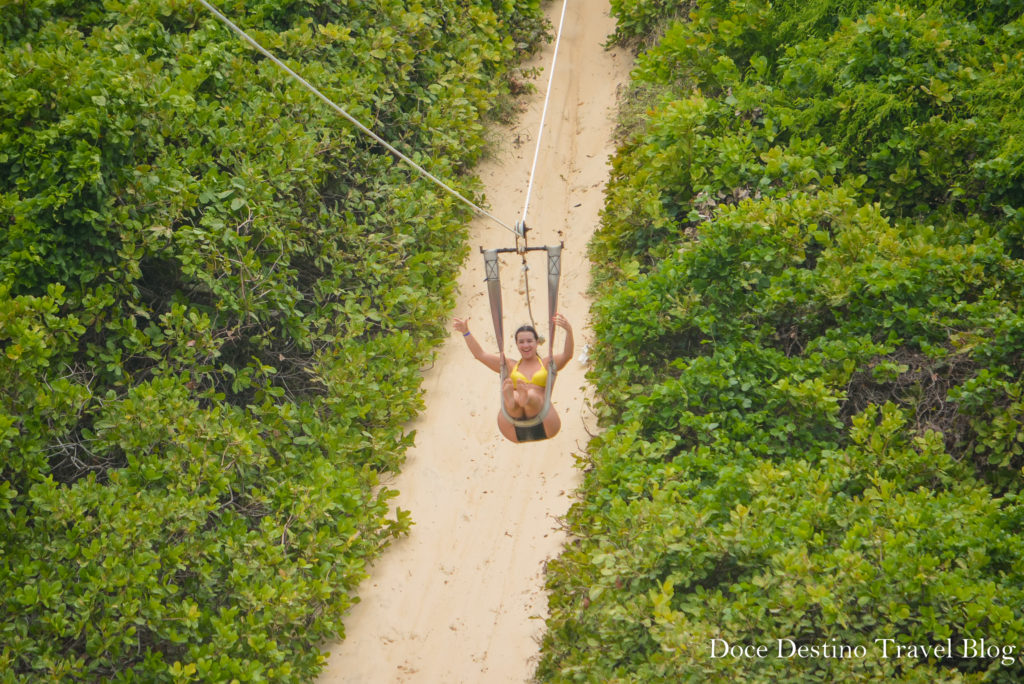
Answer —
561 321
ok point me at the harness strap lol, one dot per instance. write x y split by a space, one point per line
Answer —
493 280
554 274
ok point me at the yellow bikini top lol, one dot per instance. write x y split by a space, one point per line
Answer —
540 378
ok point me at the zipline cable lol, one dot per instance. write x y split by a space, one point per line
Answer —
543 114
426 174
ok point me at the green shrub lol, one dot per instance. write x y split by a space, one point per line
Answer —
215 299
809 349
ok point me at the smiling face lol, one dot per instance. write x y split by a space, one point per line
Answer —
527 343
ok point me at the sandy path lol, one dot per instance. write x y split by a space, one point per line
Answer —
461 599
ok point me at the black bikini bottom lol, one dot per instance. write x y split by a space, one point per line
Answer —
530 434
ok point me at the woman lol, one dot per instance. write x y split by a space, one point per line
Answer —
523 389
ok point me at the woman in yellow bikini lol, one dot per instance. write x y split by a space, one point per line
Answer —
523 389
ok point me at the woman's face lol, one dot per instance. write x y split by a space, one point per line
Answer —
527 343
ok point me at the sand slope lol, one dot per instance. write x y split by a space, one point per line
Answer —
461 599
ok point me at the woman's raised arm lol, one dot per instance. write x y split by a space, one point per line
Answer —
492 361
570 346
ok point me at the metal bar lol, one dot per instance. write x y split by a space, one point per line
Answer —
513 250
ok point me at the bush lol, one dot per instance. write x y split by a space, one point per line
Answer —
808 355
215 299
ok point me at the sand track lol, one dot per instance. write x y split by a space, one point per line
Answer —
461 599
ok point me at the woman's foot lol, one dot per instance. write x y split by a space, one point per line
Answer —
522 396
510 396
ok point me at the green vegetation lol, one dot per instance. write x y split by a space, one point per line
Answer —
811 343
215 299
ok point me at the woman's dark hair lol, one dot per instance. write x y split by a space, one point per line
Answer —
529 329
526 328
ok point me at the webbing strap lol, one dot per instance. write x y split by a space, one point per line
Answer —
554 273
493 280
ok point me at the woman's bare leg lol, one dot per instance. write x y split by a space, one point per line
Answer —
552 423
508 431
533 402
